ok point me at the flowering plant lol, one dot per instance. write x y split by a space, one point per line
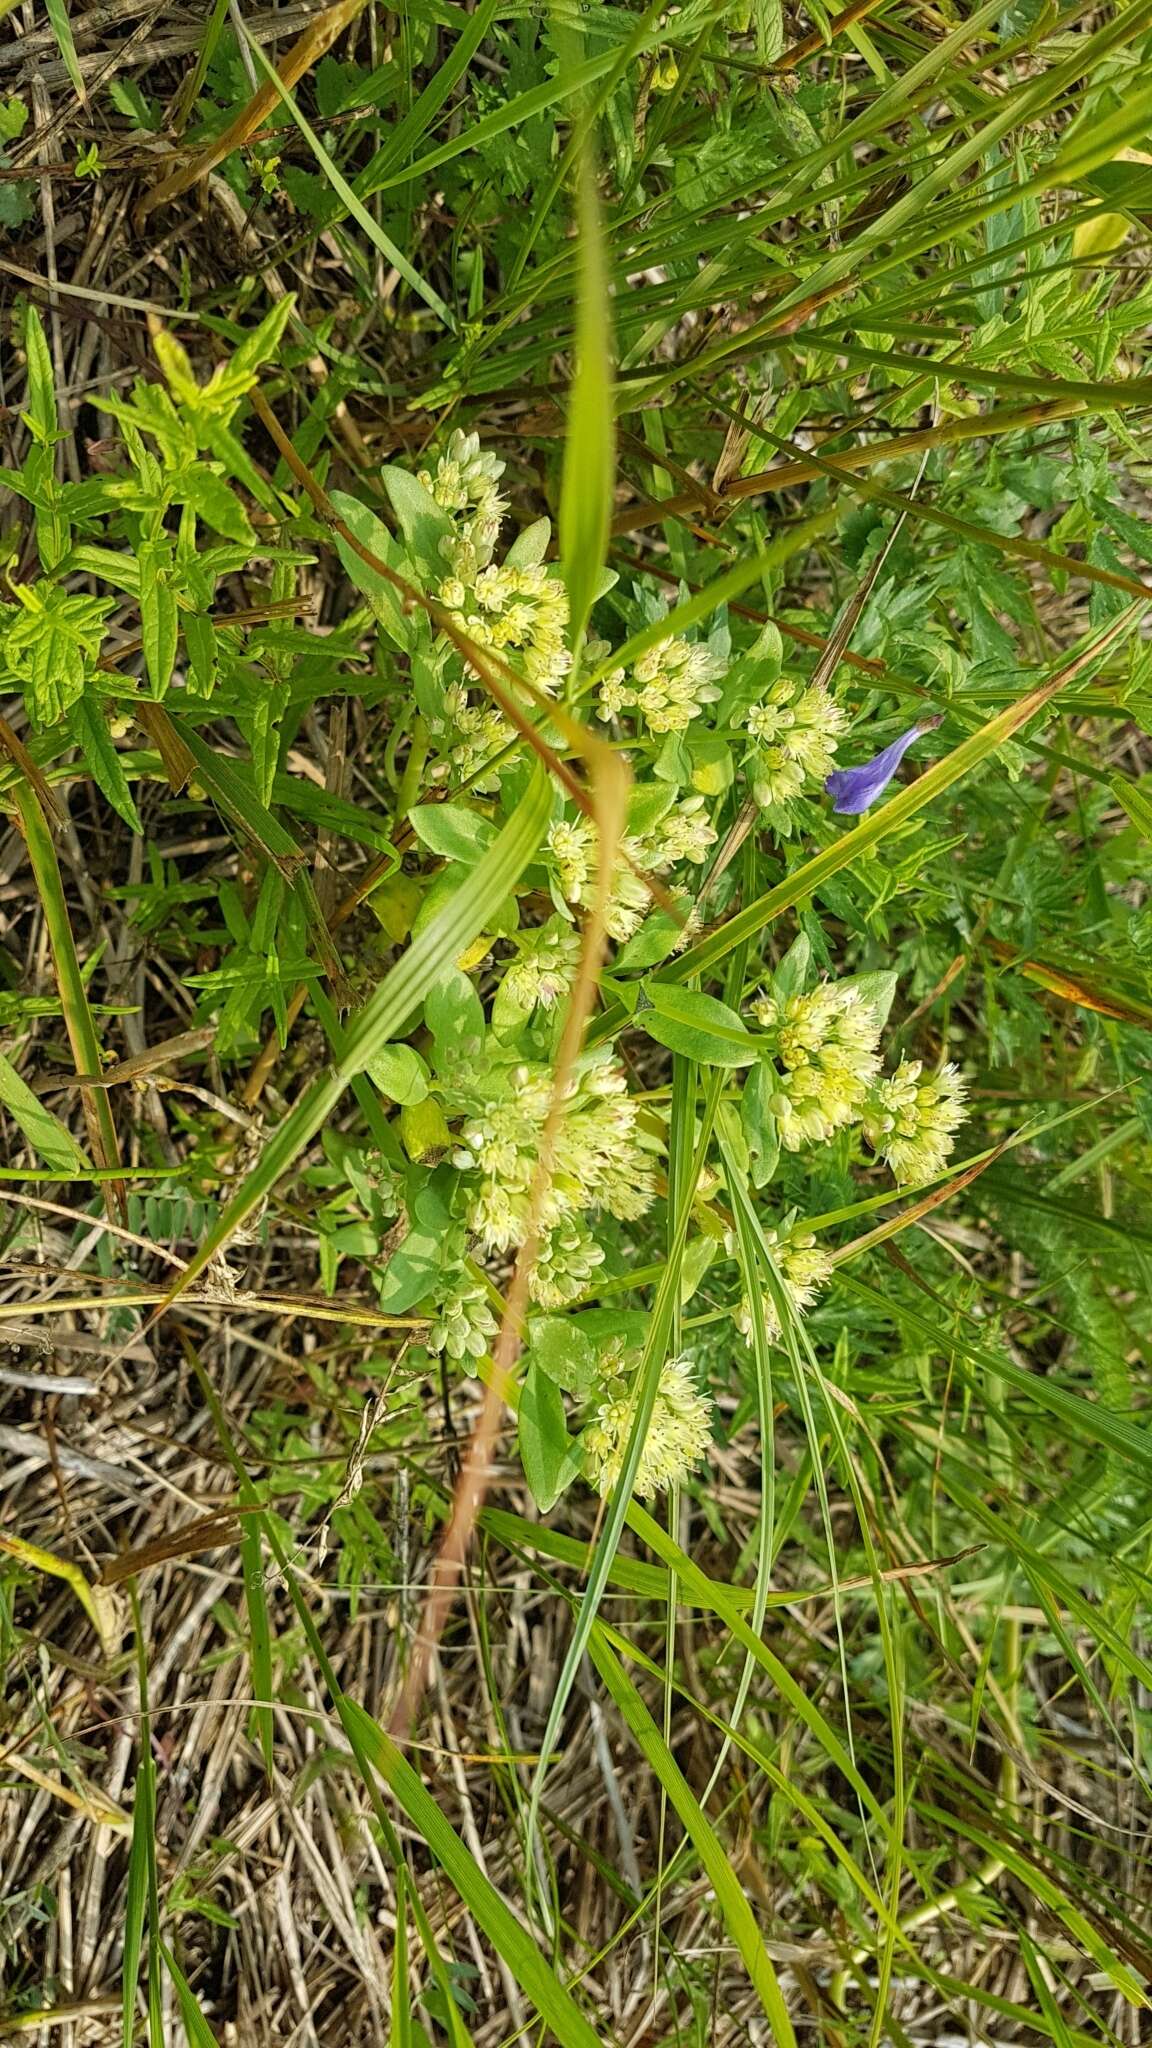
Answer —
476 1091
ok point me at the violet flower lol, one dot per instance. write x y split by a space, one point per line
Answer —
856 789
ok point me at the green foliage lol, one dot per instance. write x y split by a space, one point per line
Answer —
671 407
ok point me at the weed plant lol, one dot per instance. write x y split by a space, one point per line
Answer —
575 986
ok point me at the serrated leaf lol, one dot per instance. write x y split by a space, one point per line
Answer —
51 645
159 627
41 382
102 759
213 502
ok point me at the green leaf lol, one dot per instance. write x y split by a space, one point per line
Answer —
52 645
158 616
41 414
196 2027
564 1352
372 534
423 523
876 991
57 12
590 440
549 1455
214 502
400 1074
1132 799
454 1015
758 1125
452 831
699 1026
530 545
51 1140
102 759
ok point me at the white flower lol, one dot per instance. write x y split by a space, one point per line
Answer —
794 730
825 1046
679 1433
546 967
804 1270
463 1322
598 1162
671 684
912 1121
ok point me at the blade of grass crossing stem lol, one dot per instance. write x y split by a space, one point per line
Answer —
739 1738
481 893
536 1978
251 1557
737 1914
801 1355
655 1354
762 1360
78 1018
339 183
420 116
708 1593
589 447
935 780
259 1633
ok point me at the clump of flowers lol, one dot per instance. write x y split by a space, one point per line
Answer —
824 1045
793 732
670 685
517 608
804 1270
465 483
685 833
911 1118
598 1164
462 1323
679 1432
523 611
545 967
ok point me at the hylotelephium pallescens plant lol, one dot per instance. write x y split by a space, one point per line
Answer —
698 722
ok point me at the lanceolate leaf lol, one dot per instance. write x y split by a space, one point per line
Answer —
49 1138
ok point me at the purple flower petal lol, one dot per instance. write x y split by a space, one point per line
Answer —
855 789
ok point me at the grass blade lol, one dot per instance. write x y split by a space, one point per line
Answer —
735 1910
482 891
589 451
